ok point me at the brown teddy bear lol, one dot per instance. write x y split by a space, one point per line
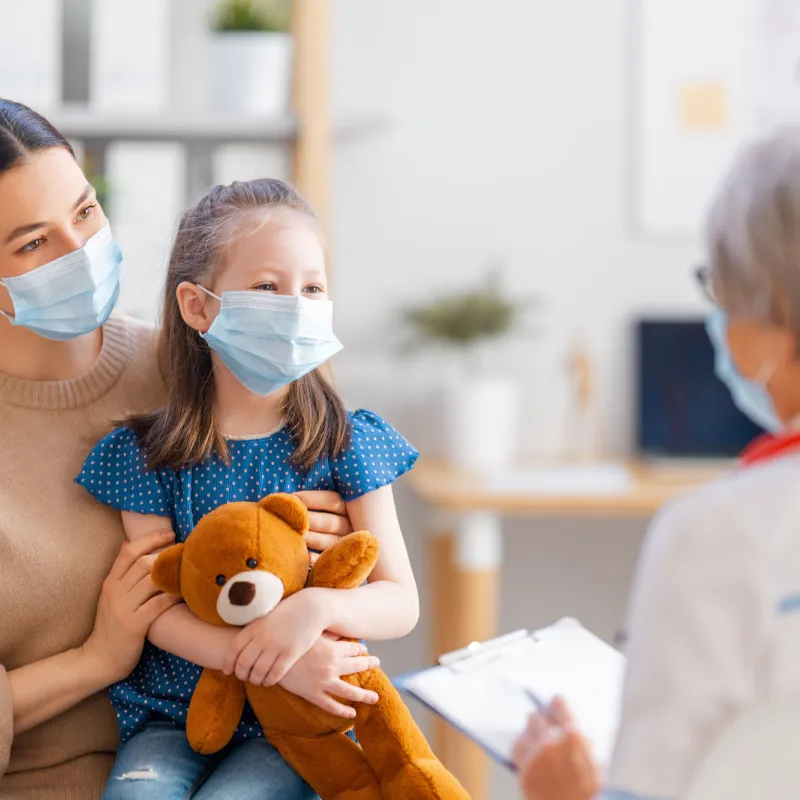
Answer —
240 561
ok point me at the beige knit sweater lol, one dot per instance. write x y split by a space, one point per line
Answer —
57 545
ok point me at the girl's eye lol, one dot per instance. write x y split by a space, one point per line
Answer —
85 213
31 246
315 289
266 287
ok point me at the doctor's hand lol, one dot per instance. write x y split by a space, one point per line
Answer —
327 520
553 759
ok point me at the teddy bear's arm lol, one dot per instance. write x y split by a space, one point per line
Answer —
346 564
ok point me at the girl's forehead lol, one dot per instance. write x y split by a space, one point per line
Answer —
282 244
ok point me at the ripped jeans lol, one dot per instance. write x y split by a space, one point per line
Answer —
158 763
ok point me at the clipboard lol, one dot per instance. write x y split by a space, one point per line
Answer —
487 691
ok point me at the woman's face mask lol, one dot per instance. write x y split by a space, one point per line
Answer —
750 395
70 296
59 265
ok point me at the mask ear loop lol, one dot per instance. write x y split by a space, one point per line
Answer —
208 292
766 374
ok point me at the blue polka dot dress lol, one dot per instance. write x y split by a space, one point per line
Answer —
116 474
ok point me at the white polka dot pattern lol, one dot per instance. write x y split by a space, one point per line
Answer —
116 474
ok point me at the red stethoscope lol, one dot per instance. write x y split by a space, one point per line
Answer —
769 447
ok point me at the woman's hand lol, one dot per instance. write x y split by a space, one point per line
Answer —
265 650
553 759
327 520
129 604
317 676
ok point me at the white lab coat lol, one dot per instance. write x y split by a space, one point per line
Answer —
714 625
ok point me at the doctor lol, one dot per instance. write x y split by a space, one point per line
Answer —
715 612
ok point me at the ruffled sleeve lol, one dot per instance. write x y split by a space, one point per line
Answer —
116 474
378 455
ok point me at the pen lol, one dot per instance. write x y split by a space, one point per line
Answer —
540 706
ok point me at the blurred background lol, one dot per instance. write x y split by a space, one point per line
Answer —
514 194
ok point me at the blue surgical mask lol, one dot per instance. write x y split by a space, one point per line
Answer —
70 296
750 396
268 341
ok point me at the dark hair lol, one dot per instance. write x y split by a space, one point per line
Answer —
183 433
22 132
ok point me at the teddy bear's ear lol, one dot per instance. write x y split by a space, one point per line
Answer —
288 508
167 570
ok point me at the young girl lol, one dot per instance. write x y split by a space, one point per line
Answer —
246 327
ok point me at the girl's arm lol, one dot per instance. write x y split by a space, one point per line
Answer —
128 604
178 631
388 607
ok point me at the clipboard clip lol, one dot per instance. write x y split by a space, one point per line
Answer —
480 653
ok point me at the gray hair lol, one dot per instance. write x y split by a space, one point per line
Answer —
753 232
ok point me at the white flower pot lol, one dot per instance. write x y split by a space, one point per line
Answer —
480 424
251 72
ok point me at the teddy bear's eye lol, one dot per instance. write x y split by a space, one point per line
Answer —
251 563
220 580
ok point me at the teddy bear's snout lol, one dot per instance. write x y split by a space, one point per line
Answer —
242 593
249 595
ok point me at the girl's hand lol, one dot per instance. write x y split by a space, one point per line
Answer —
553 759
129 604
268 648
317 676
327 520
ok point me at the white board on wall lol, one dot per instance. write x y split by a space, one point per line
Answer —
693 105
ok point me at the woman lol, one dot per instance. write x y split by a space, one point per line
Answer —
68 369
715 611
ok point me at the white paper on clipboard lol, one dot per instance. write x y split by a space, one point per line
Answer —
489 691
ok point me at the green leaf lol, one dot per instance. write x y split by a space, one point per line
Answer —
253 15
465 318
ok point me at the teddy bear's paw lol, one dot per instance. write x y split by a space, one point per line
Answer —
424 779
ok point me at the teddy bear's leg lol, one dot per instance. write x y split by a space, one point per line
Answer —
214 711
334 765
397 750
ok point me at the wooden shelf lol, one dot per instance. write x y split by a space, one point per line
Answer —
85 124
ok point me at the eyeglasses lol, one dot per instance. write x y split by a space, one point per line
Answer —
705 278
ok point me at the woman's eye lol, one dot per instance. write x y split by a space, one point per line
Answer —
313 289
85 213
31 246
266 287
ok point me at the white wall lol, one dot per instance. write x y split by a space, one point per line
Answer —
510 135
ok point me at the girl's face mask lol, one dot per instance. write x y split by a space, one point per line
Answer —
269 341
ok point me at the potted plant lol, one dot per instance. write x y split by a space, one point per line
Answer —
480 403
251 56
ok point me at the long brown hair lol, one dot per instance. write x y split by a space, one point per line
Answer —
183 433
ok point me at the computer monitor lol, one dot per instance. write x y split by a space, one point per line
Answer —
684 410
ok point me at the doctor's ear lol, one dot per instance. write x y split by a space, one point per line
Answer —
197 308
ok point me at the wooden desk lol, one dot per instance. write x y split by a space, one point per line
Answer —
466 562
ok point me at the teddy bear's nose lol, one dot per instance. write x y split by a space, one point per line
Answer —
242 593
